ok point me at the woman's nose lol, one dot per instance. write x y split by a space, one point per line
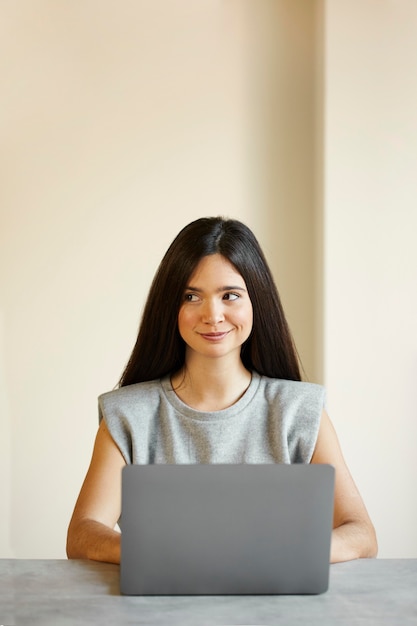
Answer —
212 313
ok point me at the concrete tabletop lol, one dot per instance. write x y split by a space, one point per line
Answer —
60 592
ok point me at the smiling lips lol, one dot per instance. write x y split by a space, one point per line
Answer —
214 336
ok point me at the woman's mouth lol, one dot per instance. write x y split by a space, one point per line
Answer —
214 336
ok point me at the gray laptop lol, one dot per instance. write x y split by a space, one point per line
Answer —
226 529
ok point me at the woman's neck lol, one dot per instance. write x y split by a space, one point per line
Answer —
211 387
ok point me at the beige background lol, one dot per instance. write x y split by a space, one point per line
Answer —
121 122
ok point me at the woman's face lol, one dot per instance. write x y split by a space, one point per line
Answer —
216 315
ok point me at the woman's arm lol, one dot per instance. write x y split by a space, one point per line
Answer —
353 532
91 533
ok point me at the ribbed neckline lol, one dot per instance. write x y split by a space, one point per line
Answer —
223 414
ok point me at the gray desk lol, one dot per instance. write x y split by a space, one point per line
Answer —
71 593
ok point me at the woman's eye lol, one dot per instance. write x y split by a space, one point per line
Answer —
231 296
190 297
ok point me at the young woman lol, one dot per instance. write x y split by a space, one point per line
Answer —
213 378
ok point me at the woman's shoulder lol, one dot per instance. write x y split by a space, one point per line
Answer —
292 389
129 394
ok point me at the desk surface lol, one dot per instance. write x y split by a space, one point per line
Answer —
72 593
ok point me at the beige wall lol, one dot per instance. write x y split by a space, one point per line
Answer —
125 120
284 69
370 279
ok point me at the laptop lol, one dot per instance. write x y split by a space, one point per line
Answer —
226 529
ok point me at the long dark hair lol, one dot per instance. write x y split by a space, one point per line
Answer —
159 348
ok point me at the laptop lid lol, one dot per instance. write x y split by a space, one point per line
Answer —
226 529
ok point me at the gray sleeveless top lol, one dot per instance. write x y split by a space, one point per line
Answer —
275 421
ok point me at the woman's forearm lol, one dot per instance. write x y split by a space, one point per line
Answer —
88 539
353 540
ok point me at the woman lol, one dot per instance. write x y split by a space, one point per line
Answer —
213 378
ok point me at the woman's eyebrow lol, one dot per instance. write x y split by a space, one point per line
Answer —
220 289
